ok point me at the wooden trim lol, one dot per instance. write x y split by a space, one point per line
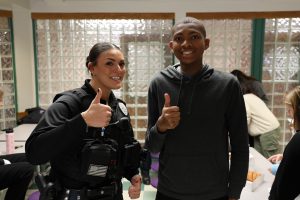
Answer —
244 15
103 15
5 13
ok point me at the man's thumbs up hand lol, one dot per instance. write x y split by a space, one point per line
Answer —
170 115
167 100
97 115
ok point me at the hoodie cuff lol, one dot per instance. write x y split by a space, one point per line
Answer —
158 134
235 191
155 139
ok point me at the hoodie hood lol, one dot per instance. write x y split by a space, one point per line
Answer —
173 73
186 82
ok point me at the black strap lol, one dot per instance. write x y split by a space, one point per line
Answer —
103 192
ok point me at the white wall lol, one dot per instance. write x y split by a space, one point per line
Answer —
177 6
153 5
7 4
24 57
23 29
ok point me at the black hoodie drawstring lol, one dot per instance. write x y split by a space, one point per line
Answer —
179 94
173 73
194 83
191 99
180 87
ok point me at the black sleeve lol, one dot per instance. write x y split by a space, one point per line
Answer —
57 131
154 140
238 132
131 171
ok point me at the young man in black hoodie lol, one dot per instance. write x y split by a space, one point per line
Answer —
192 111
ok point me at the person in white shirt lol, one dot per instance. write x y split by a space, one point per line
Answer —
256 88
262 123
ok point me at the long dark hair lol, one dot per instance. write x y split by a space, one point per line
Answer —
245 81
241 76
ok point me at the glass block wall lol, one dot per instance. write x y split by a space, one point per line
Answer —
8 108
62 47
281 66
230 44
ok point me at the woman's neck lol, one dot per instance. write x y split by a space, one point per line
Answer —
105 93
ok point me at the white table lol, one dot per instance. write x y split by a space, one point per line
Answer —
19 147
261 165
22 132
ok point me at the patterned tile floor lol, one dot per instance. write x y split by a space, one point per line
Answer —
147 193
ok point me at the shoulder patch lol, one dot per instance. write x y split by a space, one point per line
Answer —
123 108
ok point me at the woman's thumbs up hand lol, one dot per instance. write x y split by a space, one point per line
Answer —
97 115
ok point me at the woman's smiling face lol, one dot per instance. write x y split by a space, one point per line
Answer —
109 70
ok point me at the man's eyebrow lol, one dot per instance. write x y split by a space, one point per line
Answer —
193 32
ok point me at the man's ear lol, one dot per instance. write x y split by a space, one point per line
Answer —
206 42
171 46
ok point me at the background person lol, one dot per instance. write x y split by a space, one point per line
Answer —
263 126
15 172
256 87
192 109
68 129
15 175
276 159
285 184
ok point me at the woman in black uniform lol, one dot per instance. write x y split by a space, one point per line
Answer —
86 134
